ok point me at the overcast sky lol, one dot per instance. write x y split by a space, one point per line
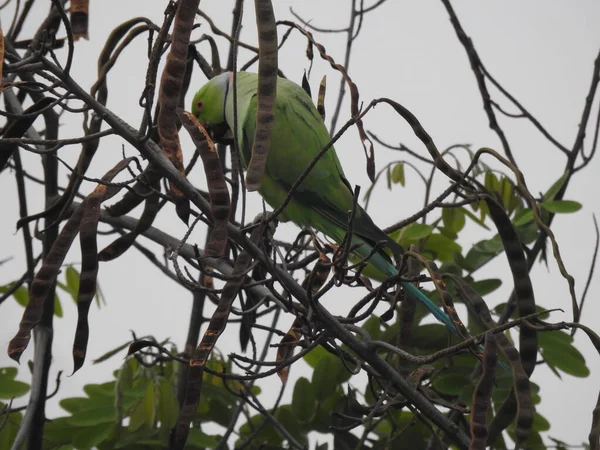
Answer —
542 51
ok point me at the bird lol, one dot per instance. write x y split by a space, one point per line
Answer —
324 198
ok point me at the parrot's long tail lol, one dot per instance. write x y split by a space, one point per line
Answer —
440 315
381 262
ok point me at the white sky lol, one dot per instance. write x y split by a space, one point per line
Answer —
542 51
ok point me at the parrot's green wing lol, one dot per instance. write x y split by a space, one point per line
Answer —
299 134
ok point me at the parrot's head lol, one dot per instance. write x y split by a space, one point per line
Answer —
209 102
209 107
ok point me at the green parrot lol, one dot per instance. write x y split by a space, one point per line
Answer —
323 199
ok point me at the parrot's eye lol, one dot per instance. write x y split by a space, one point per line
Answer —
200 104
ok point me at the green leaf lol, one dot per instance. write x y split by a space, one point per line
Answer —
198 439
203 408
555 340
220 411
9 429
367 193
484 287
146 443
450 383
13 388
414 434
481 253
58 431
93 416
540 423
484 211
528 233
333 369
145 411
125 377
474 218
267 433
414 232
134 440
322 418
447 232
57 306
453 218
72 278
383 428
561 206
557 349
286 417
140 440
100 390
91 437
168 409
373 327
491 182
503 386
388 177
452 267
313 357
553 369
535 393
442 247
509 200
324 378
557 186
74 404
523 217
430 336
397 175
500 307
303 400
21 296
493 245
8 372
168 366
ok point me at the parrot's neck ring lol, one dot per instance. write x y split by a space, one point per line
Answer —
227 85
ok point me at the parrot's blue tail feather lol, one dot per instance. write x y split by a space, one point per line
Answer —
440 315
382 262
